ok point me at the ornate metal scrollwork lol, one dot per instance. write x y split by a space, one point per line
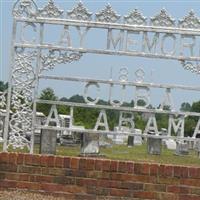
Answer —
194 68
80 12
25 8
57 57
163 19
23 78
3 99
50 10
190 21
135 17
107 15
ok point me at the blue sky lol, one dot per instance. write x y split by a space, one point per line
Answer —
98 66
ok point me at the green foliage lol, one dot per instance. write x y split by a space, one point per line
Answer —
185 106
3 86
46 94
88 116
196 107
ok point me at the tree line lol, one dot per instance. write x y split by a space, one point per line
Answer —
87 116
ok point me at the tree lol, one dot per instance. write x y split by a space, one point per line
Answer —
3 86
196 107
185 106
46 94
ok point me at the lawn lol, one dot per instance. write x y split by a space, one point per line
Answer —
135 153
138 153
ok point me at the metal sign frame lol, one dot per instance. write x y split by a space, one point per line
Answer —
28 61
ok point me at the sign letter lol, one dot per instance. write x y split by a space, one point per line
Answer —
119 40
197 129
173 37
146 42
187 45
53 112
99 123
151 125
178 128
126 119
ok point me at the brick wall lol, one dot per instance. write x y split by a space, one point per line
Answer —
88 178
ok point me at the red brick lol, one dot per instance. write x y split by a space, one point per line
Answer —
168 181
114 165
36 160
84 197
189 197
161 170
28 185
145 169
29 169
144 195
103 183
32 178
24 177
115 184
91 190
130 167
28 159
98 165
178 189
59 162
12 176
142 168
83 163
44 179
51 187
90 182
169 171
190 182
177 171
121 177
155 187
105 175
74 163
106 165
132 185
73 189
57 171
4 157
137 168
44 161
20 159
193 172
195 190
143 178
86 182
122 167
102 191
13 158
154 168
8 167
80 173
51 161
7 184
120 192
184 172
166 196
67 162
90 164
166 171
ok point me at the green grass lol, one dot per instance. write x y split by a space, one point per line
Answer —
136 153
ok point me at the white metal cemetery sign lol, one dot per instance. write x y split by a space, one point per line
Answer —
132 35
